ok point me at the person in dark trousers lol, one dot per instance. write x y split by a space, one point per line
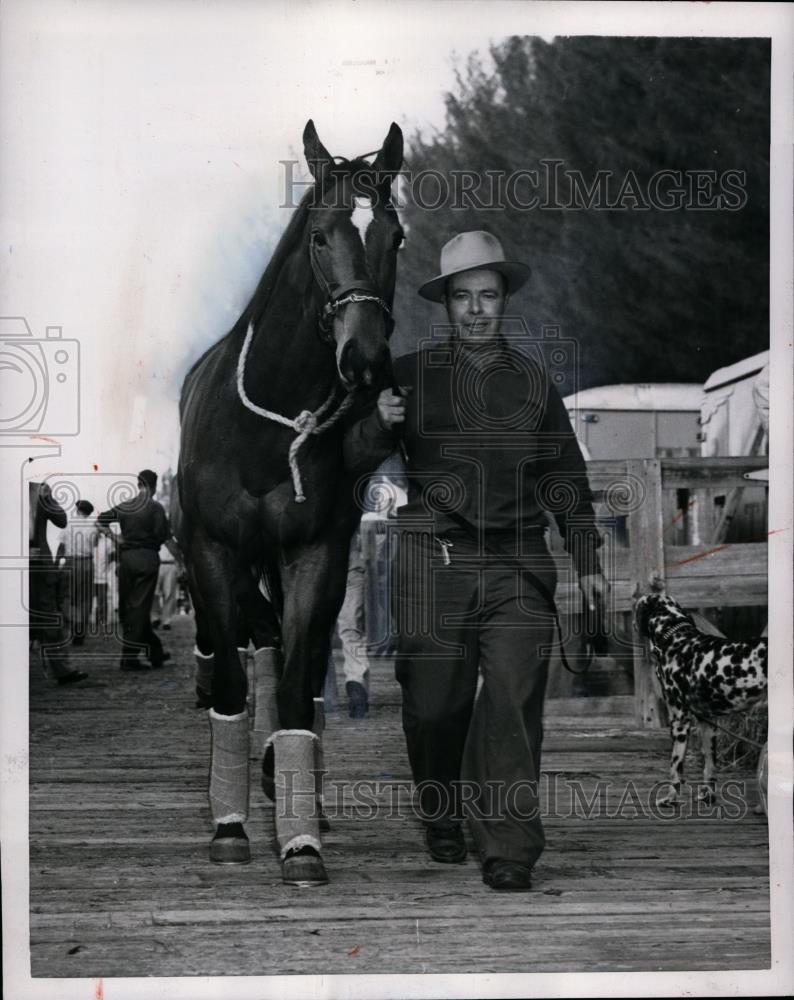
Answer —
104 580
48 626
488 449
77 547
144 528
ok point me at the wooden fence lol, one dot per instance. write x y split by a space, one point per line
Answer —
663 518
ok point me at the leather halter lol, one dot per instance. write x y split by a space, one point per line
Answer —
357 290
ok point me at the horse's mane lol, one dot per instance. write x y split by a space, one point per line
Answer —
293 234
284 248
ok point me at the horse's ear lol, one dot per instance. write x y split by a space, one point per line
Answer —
317 156
390 158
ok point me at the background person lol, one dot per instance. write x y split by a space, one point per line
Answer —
144 528
356 633
78 542
105 585
51 634
350 627
167 589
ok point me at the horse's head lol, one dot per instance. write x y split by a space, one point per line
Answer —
353 242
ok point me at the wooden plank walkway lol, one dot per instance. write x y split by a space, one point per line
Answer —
121 885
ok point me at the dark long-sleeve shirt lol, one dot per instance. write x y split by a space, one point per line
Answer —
143 522
43 508
487 433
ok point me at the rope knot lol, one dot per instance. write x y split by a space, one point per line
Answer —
305 422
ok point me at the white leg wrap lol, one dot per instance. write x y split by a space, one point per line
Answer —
297 821
267 673
229 768
204 669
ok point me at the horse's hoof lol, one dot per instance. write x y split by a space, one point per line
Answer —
203 699
303 868
230 845
268 773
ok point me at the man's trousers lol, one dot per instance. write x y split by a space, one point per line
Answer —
138 570
48 623
475 753
81 572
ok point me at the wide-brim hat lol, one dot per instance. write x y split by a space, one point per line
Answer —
469 252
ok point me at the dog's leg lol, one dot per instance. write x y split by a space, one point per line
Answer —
679 733
708 741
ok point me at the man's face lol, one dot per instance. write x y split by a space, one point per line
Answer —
476 301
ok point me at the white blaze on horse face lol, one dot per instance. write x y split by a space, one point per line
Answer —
362 217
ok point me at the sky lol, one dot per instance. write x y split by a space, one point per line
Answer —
141 177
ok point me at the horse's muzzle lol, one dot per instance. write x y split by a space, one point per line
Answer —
362 366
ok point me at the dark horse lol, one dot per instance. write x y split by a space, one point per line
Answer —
262 487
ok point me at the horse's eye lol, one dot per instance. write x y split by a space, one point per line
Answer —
399 239
318 238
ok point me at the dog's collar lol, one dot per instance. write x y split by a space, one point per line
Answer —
671 630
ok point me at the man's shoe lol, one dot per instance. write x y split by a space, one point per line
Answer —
446 844
73 677
508 876
230 845
357 700
157 663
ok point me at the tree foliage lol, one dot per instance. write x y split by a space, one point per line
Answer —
649 294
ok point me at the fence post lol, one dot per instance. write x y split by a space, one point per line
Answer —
646 538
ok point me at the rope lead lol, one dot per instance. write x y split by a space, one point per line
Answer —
305 424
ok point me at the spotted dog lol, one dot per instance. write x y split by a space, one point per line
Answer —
702 678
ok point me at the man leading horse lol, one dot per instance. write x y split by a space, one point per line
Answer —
488 448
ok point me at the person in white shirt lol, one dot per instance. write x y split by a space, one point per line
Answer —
350 624
105 585
167 586
76 548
